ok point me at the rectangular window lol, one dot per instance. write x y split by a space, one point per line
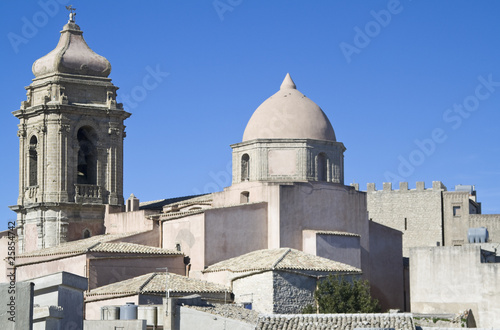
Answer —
456 211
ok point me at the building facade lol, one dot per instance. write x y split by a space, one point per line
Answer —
430 216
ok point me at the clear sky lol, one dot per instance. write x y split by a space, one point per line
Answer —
412 88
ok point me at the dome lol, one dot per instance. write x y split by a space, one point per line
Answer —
289 114
72 55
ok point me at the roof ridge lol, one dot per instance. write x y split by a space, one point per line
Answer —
280 259
93 246
147 282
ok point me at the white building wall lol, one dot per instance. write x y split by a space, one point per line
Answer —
452 280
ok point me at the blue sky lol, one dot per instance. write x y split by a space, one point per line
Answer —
412 88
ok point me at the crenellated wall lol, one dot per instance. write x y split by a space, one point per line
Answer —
417 213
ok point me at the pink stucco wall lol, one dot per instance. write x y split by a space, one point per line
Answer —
75 265
233 231
189 233
107 269
31 237
127 222
93 308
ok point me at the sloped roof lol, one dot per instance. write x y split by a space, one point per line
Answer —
280 259
402 321
155 283
336 233
160 203
98 243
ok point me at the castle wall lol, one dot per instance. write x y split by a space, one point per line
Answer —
452 279
417 213
456 217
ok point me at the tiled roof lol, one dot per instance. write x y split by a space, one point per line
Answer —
280 259
230 311
122 247
336 233
155 283
335 321
98 243
160 203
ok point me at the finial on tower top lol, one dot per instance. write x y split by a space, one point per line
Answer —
72 13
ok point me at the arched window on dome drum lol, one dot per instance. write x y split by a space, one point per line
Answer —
245 167
87 156
322 167
33 162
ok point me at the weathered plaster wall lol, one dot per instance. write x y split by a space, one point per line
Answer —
75 265
344 248
452 280
126 222
386 266
257 289
107 269
192 319
93 308
319 206
189 233
233 231
490 221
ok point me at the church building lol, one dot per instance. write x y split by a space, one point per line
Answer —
287 196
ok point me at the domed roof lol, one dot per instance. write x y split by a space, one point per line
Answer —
72 55
289 114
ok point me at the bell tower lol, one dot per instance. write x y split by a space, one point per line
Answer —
71 135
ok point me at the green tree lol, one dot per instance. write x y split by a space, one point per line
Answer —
335 294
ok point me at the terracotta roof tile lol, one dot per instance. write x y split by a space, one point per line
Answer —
280 259
98 243
402 321
155 283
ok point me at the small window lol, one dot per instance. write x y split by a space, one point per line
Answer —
322 167
86 233
457 211
245 167
87 156
245 197
33 162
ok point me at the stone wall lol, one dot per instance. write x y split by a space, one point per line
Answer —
292 292
415 212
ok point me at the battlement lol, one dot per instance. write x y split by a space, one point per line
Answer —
403 186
